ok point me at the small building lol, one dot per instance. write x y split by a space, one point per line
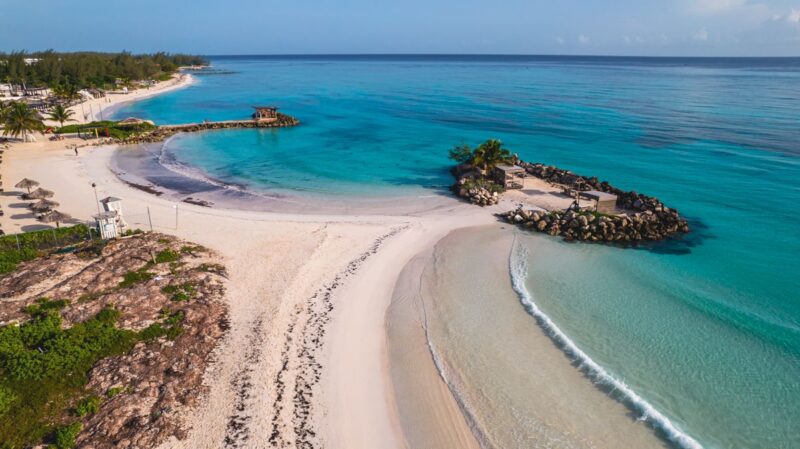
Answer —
605 203
509 176
110 222
265 113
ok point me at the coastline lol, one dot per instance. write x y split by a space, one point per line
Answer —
90 110
284 276
517 388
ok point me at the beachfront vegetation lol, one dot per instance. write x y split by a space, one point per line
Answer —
61 114
75 71
15 249
107 128
484 157
19 119
43 369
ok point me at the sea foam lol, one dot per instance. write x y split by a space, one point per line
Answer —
519 273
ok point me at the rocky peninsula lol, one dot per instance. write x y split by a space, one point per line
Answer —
636 217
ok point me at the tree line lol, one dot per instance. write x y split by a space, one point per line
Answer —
82 70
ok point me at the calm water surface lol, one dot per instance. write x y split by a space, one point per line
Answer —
706 329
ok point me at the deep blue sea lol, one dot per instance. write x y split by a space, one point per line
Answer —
705 329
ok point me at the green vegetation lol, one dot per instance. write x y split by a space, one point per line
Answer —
115 391
107 128
484 157
478 183
167 255
61 114
19 119
65 436
132 278
88 69
43 368
45 305
32 243
88 406
181 292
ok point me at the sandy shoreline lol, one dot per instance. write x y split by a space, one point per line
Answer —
306 362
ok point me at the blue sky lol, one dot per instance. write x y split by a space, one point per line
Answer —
602 27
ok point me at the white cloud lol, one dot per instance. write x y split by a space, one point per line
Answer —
794 16
583 39
714 6
560 40
700 35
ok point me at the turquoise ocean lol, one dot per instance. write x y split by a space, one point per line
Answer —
703 331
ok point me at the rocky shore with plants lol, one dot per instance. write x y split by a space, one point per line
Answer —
105 343
639 217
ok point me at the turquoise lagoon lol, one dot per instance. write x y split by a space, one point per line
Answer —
706 329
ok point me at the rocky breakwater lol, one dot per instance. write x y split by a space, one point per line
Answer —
589 226
162 133
641 217
475 188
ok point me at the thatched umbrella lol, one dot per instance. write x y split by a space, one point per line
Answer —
38 194
55 217
43 205
26 184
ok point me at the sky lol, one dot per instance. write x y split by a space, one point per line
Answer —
566 27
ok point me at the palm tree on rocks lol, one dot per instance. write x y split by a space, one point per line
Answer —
489 154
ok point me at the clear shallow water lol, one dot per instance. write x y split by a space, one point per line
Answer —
706 329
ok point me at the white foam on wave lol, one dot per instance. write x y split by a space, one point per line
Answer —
519 273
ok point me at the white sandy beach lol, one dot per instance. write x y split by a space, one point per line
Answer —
306 362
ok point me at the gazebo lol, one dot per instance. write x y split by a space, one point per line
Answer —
508 176
265 113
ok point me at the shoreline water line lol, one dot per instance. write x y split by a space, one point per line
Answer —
593 371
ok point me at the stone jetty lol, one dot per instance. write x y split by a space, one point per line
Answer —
641 217
164 132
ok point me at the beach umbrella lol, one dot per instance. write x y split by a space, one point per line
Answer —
38 194
43 205
26 184
55 217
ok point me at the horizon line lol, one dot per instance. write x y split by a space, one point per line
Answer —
316 54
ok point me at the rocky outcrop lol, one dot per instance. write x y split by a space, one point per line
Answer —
145 392
478 191
589 226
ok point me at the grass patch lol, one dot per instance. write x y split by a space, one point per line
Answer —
43 306
65 436
15 249
132 278
44 367
88 406
107 128
167 255
180 292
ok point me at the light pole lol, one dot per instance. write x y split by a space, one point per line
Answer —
96 200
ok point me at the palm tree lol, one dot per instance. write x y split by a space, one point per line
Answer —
61 114
20 119
489 154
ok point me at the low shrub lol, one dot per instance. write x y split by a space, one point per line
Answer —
65 436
